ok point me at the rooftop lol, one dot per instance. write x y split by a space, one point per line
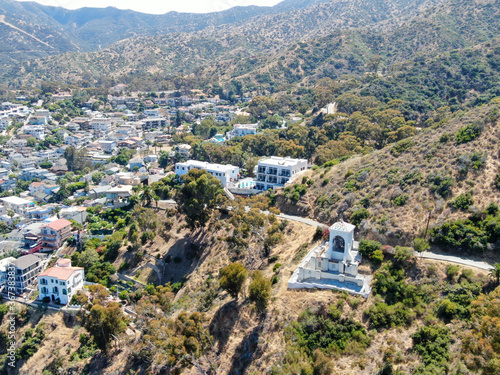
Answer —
15 200
279 161
26 261
60 273
208 166
58 224
342 226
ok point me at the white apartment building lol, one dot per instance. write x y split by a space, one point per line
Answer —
156 123
100 124
240 130
154 112
275 172
108 146
37 131
27 269
61 282
16 204
184 150
5 121
227 174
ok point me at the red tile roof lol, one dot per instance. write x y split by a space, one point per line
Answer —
61 273
58 224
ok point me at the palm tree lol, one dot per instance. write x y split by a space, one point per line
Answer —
495 272
147 195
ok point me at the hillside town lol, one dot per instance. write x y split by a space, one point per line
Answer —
55 167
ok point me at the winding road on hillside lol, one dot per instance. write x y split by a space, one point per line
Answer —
427 254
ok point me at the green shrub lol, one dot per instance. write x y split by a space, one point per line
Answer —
468 133
259 291
463 234
330 163
383 316
496 183
463 201
432 344
371 249
440 184
232 278
123 295
359 215
326 181
420 244
402 146
452 271
411 178
400 200
444 138
328 331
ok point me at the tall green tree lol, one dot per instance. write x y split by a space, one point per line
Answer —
495 272
259 291
199 194
232 278
104 322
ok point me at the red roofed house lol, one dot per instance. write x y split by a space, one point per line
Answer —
60 283
54 234
36 187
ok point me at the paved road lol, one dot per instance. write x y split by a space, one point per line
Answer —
302 220
456 259
428 255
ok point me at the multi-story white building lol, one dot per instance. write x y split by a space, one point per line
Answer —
227 174
101 124
37 131
27 269
108 146
240 130
61 282
184 150
5 121
16 204
275 172
54 234
153 112
77 140
156 123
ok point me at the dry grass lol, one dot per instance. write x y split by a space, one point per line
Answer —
385 171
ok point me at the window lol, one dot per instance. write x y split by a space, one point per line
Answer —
55 290
43 281
45 290
65 292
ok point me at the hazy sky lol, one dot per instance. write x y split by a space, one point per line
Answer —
158 6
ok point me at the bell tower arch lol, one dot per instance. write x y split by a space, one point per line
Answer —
341 241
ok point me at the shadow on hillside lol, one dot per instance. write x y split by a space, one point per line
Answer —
247 351
186 255
222 324
98 362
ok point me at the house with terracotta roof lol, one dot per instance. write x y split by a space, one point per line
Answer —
61 282
54 234
35 187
